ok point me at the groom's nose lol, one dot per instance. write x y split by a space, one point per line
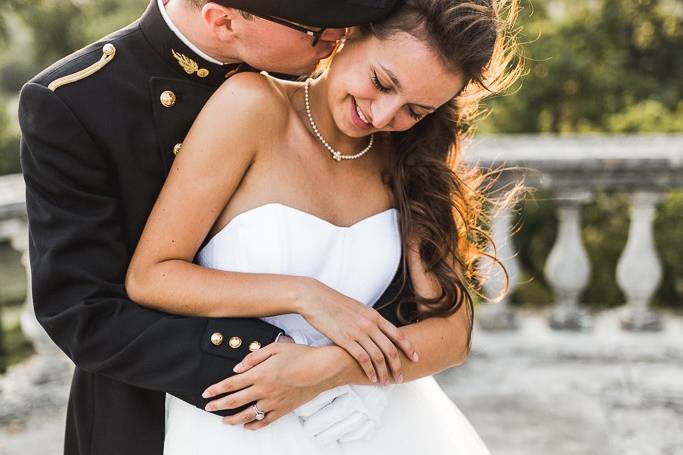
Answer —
333 34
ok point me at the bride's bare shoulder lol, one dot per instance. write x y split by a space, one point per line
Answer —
252 96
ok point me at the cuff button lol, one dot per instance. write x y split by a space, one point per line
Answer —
254 346
216 338
235 342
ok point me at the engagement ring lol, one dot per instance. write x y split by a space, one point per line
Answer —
260 415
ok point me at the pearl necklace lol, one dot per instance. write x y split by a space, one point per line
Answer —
338 156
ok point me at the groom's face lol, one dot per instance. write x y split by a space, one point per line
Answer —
277 48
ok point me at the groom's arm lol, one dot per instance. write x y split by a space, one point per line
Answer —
79 260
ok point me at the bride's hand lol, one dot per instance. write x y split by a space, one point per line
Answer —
361 331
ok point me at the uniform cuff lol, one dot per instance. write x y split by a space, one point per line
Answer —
299 338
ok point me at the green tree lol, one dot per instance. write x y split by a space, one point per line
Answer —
591 66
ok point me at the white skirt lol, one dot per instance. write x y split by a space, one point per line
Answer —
420 419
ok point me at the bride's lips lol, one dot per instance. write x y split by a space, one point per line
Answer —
355 118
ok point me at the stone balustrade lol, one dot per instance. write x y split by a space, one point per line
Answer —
573 168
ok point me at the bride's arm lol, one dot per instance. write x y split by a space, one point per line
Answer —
216 155
442 342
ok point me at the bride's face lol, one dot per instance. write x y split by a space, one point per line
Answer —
387 85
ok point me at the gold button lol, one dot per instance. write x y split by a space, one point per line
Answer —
254 346
167 98
216 338
235 342
108 50
177 148
202 72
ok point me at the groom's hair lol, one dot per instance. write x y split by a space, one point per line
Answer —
200 3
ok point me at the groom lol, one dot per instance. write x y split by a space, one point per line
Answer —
100 130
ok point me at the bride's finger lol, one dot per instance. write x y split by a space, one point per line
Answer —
241 418
377 357
390 353
363 359
233 400
399 339
254 358
271 417
231 384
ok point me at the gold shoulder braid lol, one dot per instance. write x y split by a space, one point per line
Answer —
189 65
108 52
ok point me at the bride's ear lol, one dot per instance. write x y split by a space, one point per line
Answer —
220 20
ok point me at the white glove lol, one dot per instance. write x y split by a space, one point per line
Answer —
306 410
356 426
344 413
353 415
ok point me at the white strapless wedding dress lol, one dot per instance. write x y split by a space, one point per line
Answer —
358 261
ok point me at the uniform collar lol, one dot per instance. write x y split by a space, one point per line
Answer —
162 9
187 61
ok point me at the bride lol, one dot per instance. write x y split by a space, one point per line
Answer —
312 194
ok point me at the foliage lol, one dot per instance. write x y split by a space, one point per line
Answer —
58 27
14 347
9 143
597 65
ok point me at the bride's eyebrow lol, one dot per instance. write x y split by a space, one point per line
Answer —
397 84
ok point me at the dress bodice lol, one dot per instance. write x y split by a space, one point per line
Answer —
358 261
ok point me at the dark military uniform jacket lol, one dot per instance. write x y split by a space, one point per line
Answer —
100 129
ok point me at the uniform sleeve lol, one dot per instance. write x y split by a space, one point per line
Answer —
79 260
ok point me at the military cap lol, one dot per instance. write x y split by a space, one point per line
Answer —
321 13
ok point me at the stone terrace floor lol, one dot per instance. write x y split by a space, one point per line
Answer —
530 392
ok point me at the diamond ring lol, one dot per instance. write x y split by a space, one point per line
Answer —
260 415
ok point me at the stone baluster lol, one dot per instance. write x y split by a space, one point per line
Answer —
499 315
49 363
568 268
639 270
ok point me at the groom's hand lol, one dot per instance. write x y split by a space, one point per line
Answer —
279 378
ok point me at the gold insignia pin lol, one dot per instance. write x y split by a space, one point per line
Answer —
189 65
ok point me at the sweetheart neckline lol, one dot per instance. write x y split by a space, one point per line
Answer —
303 212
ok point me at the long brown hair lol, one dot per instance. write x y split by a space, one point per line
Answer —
440 198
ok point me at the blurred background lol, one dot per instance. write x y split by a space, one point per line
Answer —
585 355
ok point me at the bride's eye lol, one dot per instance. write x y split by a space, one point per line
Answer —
414 114
378 85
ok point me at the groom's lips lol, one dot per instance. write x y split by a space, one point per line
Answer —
326 49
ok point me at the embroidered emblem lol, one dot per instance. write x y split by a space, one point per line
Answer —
189 65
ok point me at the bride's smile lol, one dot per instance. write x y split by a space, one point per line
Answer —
372 87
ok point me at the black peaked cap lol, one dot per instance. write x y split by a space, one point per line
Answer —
321 13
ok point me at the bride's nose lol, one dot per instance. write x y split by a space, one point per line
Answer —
383 111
